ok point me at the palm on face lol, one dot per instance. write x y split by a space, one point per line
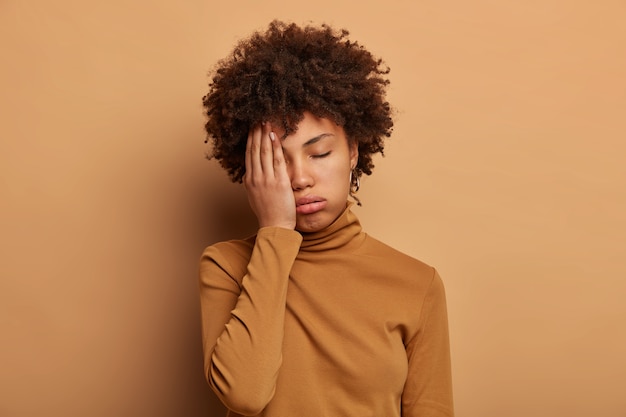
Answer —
266 180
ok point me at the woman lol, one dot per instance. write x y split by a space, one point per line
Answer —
311 316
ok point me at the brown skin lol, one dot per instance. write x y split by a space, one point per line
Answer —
299 180
267 184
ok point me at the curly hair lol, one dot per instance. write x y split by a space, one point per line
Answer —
287 70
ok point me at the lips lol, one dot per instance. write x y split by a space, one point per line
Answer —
310 204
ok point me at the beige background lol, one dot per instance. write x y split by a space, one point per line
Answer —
506 171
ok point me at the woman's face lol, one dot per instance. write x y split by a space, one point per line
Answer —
319 161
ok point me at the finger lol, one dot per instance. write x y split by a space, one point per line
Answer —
280 166
266 152
253 146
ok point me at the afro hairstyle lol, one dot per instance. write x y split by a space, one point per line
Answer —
286 71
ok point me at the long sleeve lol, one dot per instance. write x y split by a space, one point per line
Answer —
243 317
428 389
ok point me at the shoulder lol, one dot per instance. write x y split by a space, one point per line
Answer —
405 279
230 256
411 286
376 250
228 248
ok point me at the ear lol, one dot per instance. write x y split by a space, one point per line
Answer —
354 153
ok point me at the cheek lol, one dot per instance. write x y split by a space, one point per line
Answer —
336 177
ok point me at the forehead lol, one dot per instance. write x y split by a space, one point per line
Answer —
309 127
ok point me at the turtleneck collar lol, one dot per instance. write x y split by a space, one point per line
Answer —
339 233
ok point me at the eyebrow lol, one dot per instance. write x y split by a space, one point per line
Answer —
316 139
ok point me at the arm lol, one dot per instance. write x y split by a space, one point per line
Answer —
243 326
428 389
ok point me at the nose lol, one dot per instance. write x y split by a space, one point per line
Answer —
300 176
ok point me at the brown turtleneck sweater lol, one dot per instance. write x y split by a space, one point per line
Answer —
326 324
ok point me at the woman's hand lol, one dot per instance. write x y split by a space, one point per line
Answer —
266 180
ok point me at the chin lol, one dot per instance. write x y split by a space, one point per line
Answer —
311 223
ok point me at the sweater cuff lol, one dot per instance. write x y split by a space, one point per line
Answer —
280 234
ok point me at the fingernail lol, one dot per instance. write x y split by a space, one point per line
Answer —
272 136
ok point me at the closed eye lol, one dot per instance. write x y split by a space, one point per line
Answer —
323 155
